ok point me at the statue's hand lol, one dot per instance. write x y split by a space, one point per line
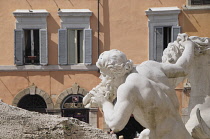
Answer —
99 99
182 37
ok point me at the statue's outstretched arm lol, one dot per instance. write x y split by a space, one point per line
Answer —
117 116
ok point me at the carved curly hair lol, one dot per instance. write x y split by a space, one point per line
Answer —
114 63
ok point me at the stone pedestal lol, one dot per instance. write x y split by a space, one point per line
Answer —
93 117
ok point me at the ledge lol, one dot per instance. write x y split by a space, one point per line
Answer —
74 12
163 11
25 12
198 7
79 67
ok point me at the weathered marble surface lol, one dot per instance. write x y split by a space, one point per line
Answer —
146 91
16 123
199 123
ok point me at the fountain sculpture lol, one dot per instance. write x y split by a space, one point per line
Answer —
147 90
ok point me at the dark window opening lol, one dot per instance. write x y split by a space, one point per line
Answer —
33 103
31 55
200 2
79 46
72 106
166 36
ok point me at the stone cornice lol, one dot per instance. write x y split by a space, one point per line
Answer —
163 11
79 67
74 12
30 13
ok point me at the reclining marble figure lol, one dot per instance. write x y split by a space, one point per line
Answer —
147 90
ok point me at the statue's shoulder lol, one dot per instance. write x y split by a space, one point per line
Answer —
148 63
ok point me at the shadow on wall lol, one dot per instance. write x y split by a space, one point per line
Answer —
104 28
190 20
186 24
106 25
52 27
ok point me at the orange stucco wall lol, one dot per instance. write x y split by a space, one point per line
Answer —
53 82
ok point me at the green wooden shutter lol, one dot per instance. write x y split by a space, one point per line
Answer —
88 46
43 46
159 44
174 32
72 47
19 45
62 46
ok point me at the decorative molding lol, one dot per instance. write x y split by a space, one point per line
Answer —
163 11
78 67
161 16
75 89
74 12
31 19
75 18
25 13
33 90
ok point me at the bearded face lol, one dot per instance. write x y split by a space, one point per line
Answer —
113 65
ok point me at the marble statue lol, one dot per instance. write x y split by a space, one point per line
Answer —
199 122
147 90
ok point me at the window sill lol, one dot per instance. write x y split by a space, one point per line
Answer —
196 7
79 67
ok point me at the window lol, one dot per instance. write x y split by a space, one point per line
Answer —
72 106
75 37
33 103
30 37
163 36
163 29
75 46
31 55
200 2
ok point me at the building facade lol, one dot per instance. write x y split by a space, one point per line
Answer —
49 47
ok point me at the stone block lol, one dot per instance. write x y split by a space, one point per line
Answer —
69 91
45 96
65 93
75 90
32 90
27 91
84 92
38 91
50 106
80 91
57 105
42 93
20 95
48 100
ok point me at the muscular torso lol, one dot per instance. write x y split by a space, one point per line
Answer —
156 97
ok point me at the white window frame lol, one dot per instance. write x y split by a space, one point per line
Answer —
33 19
160 17
189 6
76 19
